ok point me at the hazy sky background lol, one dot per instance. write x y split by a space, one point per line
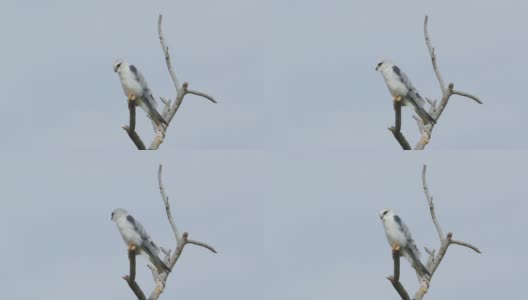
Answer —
286 174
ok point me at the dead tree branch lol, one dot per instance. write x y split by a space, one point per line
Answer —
131 279
445 241
435 112
396 129
168 111
170 260
395 279
131 128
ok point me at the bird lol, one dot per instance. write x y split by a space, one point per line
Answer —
399 237
403 90
137 238
136 89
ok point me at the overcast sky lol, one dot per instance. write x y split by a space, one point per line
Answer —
286 174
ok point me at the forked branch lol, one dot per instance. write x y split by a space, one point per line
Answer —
433 261
435 112
170 260
169 110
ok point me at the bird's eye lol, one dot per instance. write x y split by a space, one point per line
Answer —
118 65
379 65
385 212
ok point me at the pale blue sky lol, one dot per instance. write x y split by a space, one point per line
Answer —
286 174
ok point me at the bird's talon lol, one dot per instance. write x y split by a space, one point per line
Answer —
395 248
131 97
397 98
132 247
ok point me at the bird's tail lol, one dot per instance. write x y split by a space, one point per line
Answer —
417 265
157 118
160 265
149 106
424 115
156 261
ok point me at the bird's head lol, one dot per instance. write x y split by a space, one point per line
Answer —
118 212
384 64
385 213
118 64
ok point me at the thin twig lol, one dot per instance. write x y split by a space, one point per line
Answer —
201 95
466 245
433 55
467 95
431 204
167 55
201 245
165 199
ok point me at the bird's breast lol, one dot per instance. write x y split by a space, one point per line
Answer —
131 86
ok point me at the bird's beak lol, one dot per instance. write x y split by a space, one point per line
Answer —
115 69
377 67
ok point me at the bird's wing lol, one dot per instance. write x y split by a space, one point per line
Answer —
147 94
410 242
151 248
148 102
413 93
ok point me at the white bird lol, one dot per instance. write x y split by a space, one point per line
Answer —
402 89
400 237
136 237
136 89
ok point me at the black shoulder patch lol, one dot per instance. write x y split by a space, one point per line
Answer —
133 69
396 218
394 68
131 220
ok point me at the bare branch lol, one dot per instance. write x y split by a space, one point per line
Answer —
178 101
201 95
395 279
420 124
430 259
431 204
131 279
465 245
131 129
444 101
396 129
424 288
167 206
445 242
201 245
167 55
181 241
433 55
467 95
